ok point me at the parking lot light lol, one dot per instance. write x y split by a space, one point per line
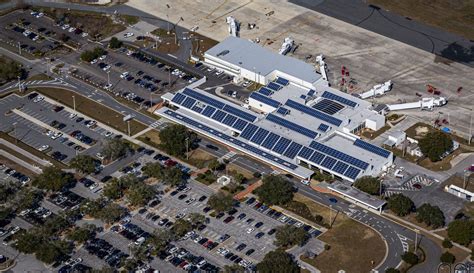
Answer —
74 102
19 47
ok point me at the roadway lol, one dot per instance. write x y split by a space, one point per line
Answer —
394 234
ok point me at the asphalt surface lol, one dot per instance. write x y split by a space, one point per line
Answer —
400 28
395 235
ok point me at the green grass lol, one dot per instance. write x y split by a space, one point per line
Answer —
131 20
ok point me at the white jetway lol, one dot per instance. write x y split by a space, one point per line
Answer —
322 66
423 104
377 90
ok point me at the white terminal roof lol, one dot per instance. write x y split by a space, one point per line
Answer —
311 132
253 57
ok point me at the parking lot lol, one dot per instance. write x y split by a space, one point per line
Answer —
50 128
137 78
34 32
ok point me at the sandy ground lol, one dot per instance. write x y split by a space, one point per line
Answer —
369 57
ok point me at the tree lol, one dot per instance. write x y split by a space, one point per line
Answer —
113 189
400 204
111 213
196 218
181 227
8 190
392 270
115 43
140 194
447 243
275 190
215 165
27 198
220 202
173 176
52 251
278 261
115 149
154 170
79 234
461 231
430 215
85 164
239 178
435 144
368 184
28 242
447 257
160 238
10 70
90 55
176 139
53 179
410 258
287 236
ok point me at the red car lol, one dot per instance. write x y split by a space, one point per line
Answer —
471 169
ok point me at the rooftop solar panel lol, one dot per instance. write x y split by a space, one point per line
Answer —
283 111
241 114
292 126
188 102
273 86
372 148
229 120
352 172
208 111
282 81
340 167
197 109
281 145
328 106
261 98
219 115
270 141
317 157
265 91
293 150
323 127
240 124
339 155
306 152
259 136
248 132
328 162
311 92
340 99
313 112
204 98
178 98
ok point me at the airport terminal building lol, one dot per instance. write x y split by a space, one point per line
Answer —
296 125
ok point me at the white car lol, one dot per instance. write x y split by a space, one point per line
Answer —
26 32
91 123
43 148
85 34
100 156
250 230
93 186
72 115
107 86
219 72
124 75
15 230
128 34
201 263
71 29
72 262
102 57
56 135
106 68
65 27
94 61
24 212
38 99
46 214
49 133
190 201
39 15
108 134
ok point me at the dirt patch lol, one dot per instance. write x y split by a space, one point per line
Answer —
201 44
151 138
200 158
232 168
370 134
315 208
421 131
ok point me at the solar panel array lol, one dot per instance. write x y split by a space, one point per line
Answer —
261 98
270 141
248 132
293 150
282 81
328 106
259 136
313 112
339 155
214 103
274 86
283 111
323 127
372 148
265 91
240 144
311 92
281 145
340 99
292 126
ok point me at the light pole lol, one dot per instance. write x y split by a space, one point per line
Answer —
14 132
74 102
19 84
128 127
108 78
19 48
416 239
175 32
470 129
168 18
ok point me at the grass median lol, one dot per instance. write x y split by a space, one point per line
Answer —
92 109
